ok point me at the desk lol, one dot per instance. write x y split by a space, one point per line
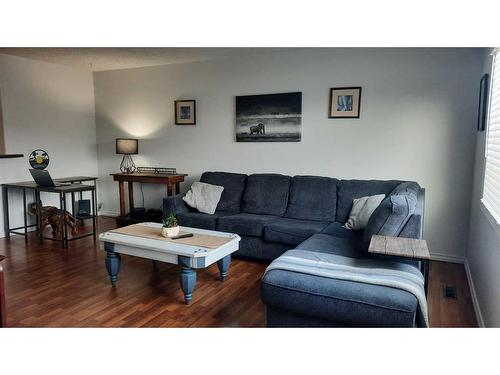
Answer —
3 310
26 186
170 180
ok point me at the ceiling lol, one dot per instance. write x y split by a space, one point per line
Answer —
99 59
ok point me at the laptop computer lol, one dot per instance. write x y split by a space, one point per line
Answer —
42 178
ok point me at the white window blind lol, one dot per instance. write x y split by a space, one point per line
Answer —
491 188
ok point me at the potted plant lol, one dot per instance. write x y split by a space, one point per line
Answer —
170 226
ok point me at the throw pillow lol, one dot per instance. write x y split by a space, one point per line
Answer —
362 209
203 197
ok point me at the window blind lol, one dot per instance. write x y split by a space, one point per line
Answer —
491 188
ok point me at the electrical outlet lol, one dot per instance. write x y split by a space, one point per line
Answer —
99 206
450 292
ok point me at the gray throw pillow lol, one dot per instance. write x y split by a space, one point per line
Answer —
362 209
203 197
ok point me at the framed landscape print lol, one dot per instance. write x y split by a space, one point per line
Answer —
345 102
269 118
185 112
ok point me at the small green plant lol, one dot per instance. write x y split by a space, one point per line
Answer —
170 221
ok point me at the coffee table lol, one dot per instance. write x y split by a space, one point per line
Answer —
145 241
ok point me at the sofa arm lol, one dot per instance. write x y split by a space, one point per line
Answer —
413 227
174 205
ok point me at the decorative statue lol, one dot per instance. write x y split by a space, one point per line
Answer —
258 129
52 216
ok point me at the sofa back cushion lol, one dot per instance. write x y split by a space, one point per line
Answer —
392 214
312 198
266 194
348 190
234 185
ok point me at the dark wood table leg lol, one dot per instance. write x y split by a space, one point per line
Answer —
25 216
3 309
177 188
121 188
64 233
169 189
130 195
94 213
39 215
6 211
425 265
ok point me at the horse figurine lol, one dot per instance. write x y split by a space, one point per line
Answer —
52 216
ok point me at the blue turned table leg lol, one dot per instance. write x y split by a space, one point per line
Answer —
188 278
223 265
113 261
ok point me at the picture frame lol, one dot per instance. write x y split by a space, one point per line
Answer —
269 117
482 110
185 112
345 102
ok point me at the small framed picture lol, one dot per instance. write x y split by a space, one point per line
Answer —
345 102
185 112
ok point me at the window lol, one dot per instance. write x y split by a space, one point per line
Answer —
491 188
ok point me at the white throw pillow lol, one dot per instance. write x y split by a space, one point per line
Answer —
362 209
204 197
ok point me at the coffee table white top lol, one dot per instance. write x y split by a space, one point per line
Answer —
168 247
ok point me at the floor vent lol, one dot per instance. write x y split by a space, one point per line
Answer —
450 292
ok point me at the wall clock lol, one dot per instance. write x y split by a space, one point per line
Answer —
39 159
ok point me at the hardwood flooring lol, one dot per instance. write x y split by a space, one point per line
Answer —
47 286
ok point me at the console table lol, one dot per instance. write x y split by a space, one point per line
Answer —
3 310
171 180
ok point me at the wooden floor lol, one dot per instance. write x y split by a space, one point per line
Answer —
47 286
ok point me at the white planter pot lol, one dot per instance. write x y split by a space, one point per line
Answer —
170 232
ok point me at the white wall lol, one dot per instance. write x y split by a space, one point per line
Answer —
483 252
418 118
50 107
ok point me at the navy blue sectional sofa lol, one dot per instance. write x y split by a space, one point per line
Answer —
275 213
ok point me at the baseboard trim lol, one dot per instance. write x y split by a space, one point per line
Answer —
447 258
108 213
473 294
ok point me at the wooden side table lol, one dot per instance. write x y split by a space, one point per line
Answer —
3 310
170 180
401 247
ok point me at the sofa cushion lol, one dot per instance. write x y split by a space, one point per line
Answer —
234 185
390 217
292 231
324 243
346 303
199 220
348 190
337 230
266 194
312 198
245 224
408 187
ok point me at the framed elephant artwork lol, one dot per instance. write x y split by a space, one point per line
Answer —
269 118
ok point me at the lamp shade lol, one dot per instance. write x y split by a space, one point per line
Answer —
127 146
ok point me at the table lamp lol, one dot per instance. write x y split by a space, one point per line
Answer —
127 147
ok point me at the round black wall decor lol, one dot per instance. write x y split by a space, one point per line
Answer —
39 159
